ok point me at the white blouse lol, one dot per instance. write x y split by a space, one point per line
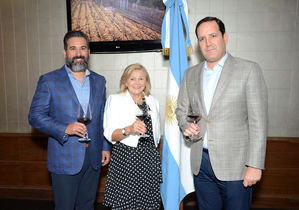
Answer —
120 111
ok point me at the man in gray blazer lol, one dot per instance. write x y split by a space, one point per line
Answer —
231 95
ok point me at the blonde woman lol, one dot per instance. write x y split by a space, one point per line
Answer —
134 174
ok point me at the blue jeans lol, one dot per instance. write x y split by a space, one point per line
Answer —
213 194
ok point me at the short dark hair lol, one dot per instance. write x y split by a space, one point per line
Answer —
71 34
209 19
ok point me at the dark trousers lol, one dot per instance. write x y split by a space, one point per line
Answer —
213 194
76 191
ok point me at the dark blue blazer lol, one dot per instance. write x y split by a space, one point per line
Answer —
54 106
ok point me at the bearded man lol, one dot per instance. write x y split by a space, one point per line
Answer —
59 98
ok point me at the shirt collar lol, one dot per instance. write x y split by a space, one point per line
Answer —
220 63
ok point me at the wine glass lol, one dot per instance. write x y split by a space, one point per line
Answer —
85 118
141 114
193 116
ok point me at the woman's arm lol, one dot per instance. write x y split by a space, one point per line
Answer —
112 118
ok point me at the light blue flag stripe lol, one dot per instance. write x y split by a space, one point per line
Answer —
178 58
173 191
185 20
169 9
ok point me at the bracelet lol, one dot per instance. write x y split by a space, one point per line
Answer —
123 131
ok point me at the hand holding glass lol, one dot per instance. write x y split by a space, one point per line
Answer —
194 116
141 115
85 118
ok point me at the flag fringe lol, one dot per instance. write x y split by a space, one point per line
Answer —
166 51
189 51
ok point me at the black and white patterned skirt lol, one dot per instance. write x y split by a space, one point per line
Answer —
134 176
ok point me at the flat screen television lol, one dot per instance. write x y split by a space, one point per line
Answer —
118 25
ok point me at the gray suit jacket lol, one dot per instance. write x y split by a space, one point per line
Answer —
237 120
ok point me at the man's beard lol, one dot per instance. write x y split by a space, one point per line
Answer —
77 67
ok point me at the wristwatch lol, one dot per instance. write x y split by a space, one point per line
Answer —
123 131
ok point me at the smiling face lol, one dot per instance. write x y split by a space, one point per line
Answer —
211 42
136 83
77 53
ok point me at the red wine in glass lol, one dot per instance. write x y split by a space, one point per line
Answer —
141 116
85 118
193 118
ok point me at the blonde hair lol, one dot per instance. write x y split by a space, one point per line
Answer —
128 71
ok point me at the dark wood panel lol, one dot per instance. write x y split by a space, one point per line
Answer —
282 153
34 193
102 182
9 148
279 187
35 174
10 173
33 148
275 202
24 174
23 169
283 182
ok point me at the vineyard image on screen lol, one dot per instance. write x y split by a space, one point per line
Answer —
118 20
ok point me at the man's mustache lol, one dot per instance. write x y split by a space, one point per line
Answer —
78 57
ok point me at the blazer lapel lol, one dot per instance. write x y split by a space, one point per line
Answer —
200 88
92 91
69 87
223 80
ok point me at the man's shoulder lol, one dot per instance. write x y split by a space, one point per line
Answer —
191 71
195 67
241 65
55 73
96 75
240 61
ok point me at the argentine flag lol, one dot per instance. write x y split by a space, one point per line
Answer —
176 170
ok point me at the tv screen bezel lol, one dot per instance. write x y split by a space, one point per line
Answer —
132 46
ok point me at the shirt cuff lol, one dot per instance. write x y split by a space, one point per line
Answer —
65 138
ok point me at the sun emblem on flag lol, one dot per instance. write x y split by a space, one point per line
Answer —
171 104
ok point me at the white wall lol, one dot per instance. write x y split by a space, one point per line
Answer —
265 31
